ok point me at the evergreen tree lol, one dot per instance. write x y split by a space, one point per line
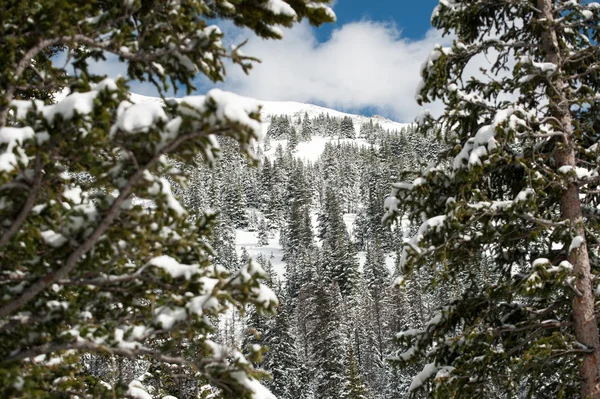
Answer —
274 130
328 343
354 387
306 131
223 245
332 126
85 267
367 131
292 139
281 360
514 183
297 234
347 130
244 256
263 233
234 204
339 256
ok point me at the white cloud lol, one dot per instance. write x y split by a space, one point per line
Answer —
363 65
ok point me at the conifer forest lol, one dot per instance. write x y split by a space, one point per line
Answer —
200 243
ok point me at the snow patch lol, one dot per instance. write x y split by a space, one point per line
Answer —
576 243
14 137
428 371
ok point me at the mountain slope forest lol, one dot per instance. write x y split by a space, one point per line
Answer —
316 227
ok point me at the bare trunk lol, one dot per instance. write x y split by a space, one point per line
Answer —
584 318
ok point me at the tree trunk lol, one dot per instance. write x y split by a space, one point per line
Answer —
584 319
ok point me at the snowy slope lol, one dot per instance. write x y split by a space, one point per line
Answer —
309 151
274 252
294 109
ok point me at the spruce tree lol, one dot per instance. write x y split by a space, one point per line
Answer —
282 359
274 130
306 131
354 387
347 130
86 268
263 233
293 139
338 256
327 339
515 181
332 126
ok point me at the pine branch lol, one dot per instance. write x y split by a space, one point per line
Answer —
33 290
29 203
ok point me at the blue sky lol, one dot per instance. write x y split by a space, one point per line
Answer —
411 17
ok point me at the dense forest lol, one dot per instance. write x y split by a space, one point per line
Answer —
338 312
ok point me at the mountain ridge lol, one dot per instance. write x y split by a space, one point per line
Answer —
297 109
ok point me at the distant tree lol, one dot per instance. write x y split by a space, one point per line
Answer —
354 387
263 233
306 131
234 203
328 341
347 130
292 139
367 131
338 255
282 359
332 126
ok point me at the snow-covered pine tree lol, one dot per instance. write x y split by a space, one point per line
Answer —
306 131
297 233
338 255
354 388
366 131
327 340
85 267
332 126
263 233
518 182
282 358
292 139
274 130
234 201
282 128
347 130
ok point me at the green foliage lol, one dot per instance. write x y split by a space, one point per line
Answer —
506 223
98 256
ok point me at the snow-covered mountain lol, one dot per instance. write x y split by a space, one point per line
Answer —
295 109
309 151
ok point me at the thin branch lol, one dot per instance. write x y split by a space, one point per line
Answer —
33 290
21 66
29 203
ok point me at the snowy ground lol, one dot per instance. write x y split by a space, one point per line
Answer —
311 151
274 252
